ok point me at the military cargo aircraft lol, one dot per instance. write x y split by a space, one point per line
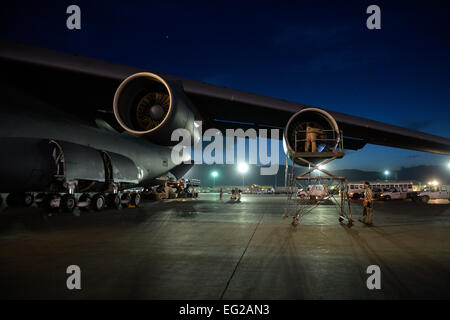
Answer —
72 124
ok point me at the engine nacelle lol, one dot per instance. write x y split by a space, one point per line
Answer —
146 104
308 132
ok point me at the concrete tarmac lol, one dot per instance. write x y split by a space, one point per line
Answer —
212 249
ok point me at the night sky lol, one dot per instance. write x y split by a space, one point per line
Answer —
315 52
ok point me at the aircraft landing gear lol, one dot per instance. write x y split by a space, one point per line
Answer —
84 202
52 201
135 199
125 200
68 203
113 201
98 202
40 199
19 199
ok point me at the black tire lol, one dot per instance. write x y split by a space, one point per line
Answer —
68 203
135 199
40 199
19 199
125 197
387 198
11 200
98 202
425 199
113 201
85 197
27 199
48 199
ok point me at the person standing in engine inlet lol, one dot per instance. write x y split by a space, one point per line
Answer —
311 136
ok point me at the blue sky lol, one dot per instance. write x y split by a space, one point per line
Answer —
319 53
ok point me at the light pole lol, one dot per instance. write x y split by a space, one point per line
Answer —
214 174
243 168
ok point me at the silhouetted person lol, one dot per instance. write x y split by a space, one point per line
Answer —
220 194
311 136
367 205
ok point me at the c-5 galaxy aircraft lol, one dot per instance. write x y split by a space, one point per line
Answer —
71 124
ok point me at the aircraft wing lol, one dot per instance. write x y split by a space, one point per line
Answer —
86 86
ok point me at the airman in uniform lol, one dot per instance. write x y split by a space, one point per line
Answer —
311 137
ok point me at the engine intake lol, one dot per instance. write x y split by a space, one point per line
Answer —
309 132
146 104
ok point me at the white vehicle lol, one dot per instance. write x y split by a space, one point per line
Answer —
435 192
356 189
316 190
393 193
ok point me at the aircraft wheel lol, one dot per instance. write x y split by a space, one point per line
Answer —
113 201
68 203
11 199
48 201
19 199
27 199
135 199
85 197
126 197
40 199
98 202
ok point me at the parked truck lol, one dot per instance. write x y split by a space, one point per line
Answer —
435 192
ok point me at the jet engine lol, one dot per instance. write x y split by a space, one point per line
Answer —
146 104
310 133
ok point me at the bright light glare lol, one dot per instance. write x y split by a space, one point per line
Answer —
448 165
386 172
243 167
322 166
214 174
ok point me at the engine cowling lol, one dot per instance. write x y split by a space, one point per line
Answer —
146 104
324 129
